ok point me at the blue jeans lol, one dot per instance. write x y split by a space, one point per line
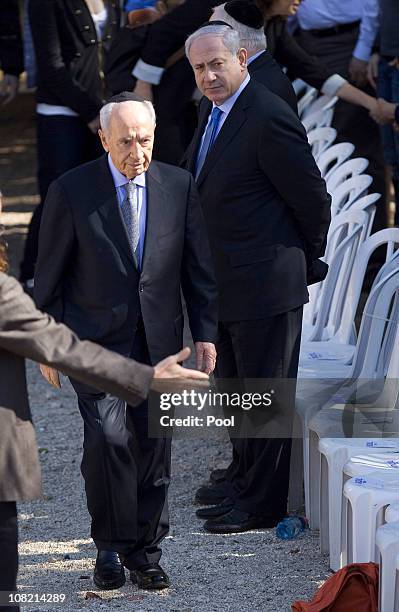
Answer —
388 88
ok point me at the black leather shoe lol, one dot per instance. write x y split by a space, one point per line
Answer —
217 476
109 573
216 511
213 494
150 577
237 521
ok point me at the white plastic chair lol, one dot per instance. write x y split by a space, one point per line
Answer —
387 544
305 100
364 501
368 204
336 456
350 168
341 226
320 139
392 513
320 118
300 87
323 102
348 192
333 157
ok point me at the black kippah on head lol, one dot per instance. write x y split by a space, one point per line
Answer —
126 96
215 22
246 12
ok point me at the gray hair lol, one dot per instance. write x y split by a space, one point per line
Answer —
252 39
107 110
230 38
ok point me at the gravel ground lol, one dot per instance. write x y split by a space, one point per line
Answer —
245 572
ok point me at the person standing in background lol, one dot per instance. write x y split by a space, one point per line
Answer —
11 50
341 34
383 74
70 39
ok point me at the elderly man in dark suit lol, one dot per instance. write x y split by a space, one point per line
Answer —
27 332
267 213
132 236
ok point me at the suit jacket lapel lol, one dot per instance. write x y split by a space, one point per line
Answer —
157 206
109 209
230 127
192 152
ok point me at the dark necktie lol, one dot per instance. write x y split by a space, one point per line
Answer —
209 139
131 217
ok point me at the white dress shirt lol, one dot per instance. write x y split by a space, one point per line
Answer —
320 14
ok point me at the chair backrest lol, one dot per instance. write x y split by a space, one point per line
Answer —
323 102
306 100
300 87
320 118
389 238
333 157
320 139
367 203
380 317
348 192
335 284
350 168
341 226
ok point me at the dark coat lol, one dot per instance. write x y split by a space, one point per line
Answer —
265 204
288 53
68 53
11 50
27 332
85 273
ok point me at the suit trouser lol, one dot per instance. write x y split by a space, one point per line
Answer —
352 122
126 473
264 348
9 550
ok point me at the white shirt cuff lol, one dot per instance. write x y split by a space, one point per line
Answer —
362 51
148 73
333 83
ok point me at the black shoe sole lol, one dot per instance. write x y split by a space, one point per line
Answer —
108 585
214 512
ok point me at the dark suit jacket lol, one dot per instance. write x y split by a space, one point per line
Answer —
266 207
288 53
11 50
68 53
266 71
26 332
85 274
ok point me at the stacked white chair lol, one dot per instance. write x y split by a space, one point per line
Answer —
350 168
333 157
320 139
340 461
387 543
320 118
392 514
364 502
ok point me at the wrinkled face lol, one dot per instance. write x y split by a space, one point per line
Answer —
129 138
218 73
285 8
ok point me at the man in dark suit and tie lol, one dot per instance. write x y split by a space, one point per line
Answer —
267 212
119 237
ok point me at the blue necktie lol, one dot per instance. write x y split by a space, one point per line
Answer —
209 139
131 217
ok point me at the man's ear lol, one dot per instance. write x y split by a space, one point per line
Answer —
242 57
103 140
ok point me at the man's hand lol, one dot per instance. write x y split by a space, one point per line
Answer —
144 90
51 375
94 124
384 112
8 88
169 374
372 70
358 71
205 356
